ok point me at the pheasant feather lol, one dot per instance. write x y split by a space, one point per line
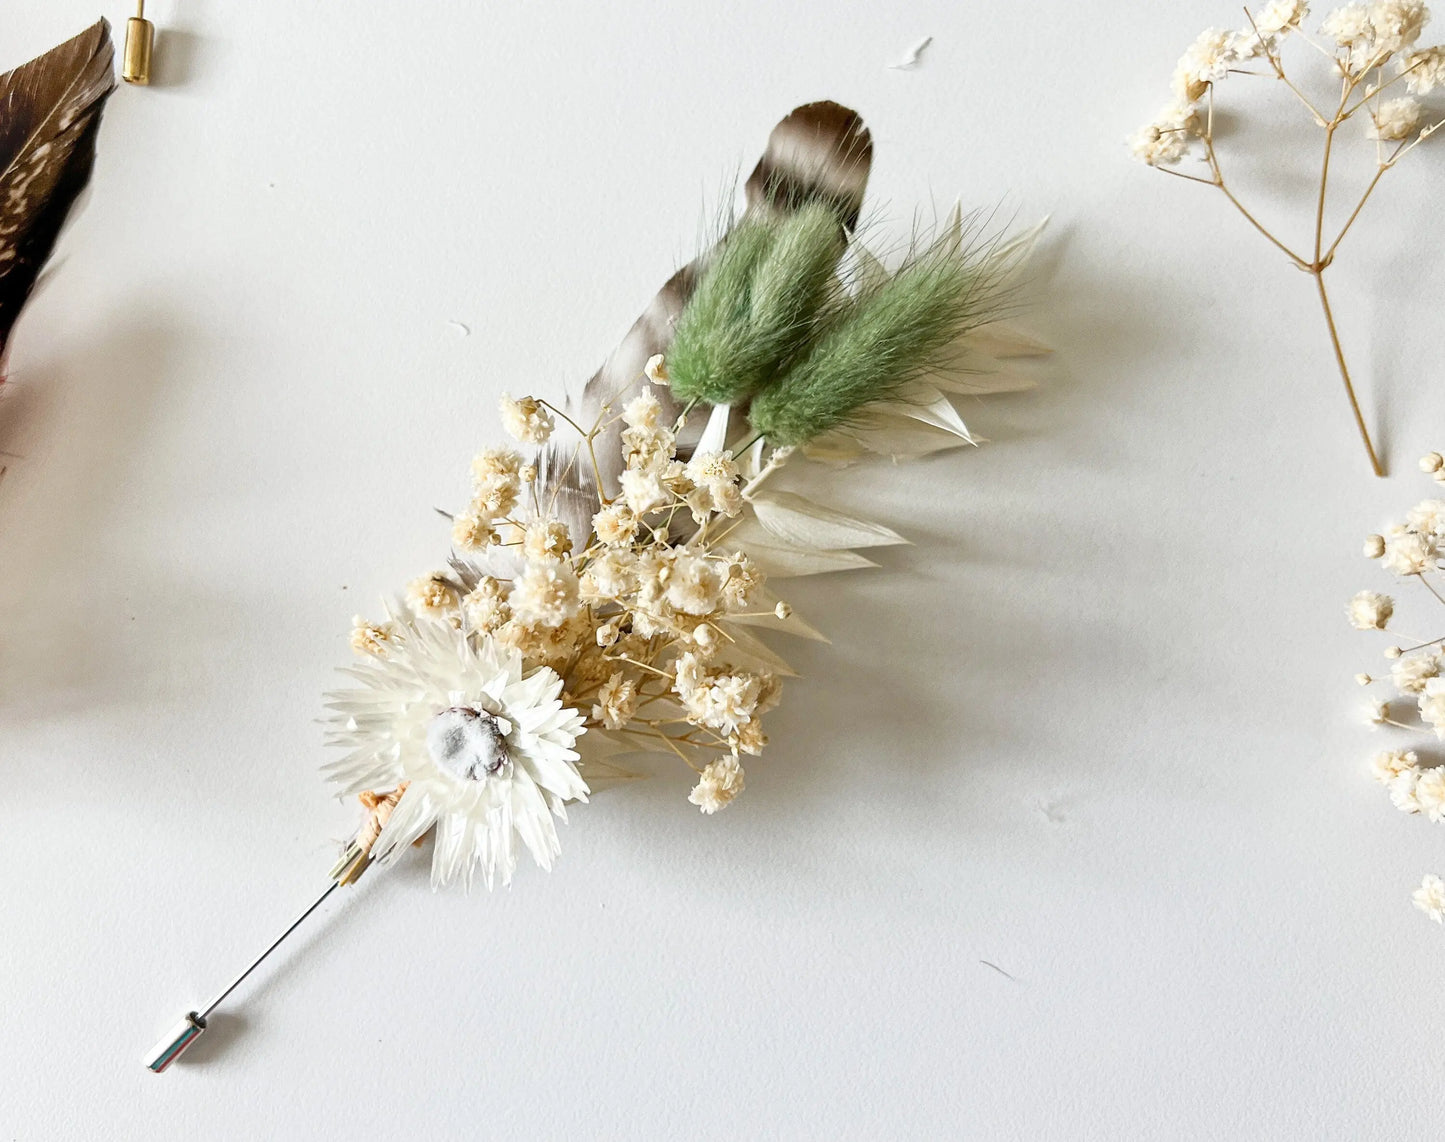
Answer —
49 113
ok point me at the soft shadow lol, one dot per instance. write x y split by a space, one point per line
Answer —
221 1030
79 426
224 1027
175 56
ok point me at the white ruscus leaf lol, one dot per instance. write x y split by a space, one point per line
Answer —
802 523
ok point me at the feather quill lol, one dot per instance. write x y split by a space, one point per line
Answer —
49 112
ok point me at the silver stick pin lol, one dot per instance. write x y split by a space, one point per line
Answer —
354 861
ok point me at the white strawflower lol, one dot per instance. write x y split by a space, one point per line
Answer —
616 702
718 784
1388 765
1396 119
545 593
1430 793
1374 546
525 419
485 747
1377 713
1432 461
1430 898
1370 611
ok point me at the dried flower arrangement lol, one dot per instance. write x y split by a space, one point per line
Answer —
1411 549
607 588
1369 48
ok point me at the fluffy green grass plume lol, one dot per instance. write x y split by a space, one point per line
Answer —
756 306
879 339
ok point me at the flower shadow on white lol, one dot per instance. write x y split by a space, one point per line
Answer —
485 749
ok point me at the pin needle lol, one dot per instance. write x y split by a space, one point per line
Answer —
189 1029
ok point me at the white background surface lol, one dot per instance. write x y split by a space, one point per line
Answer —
1097 727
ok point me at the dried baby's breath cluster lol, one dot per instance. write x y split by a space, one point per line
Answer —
1375 68
635 609
1412 549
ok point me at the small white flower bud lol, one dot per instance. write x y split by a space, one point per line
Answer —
656 370
1432 462
783 611
1393 652
1374 546
527 474
1363 679
704 636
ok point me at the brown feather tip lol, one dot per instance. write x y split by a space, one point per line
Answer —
819 151
49 113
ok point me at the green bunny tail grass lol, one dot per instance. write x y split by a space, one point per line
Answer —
796 280
756 305
880 339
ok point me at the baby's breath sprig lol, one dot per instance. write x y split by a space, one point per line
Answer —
1412 550
1370 48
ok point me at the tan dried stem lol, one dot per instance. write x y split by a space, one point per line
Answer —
1323 255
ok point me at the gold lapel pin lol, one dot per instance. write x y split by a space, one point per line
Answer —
140 38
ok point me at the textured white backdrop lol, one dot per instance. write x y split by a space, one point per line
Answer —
1096 728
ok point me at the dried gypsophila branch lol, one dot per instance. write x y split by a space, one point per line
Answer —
1412 549
1365 40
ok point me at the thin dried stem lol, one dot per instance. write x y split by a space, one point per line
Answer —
1323 256
1364 198
1212 157
1345 373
